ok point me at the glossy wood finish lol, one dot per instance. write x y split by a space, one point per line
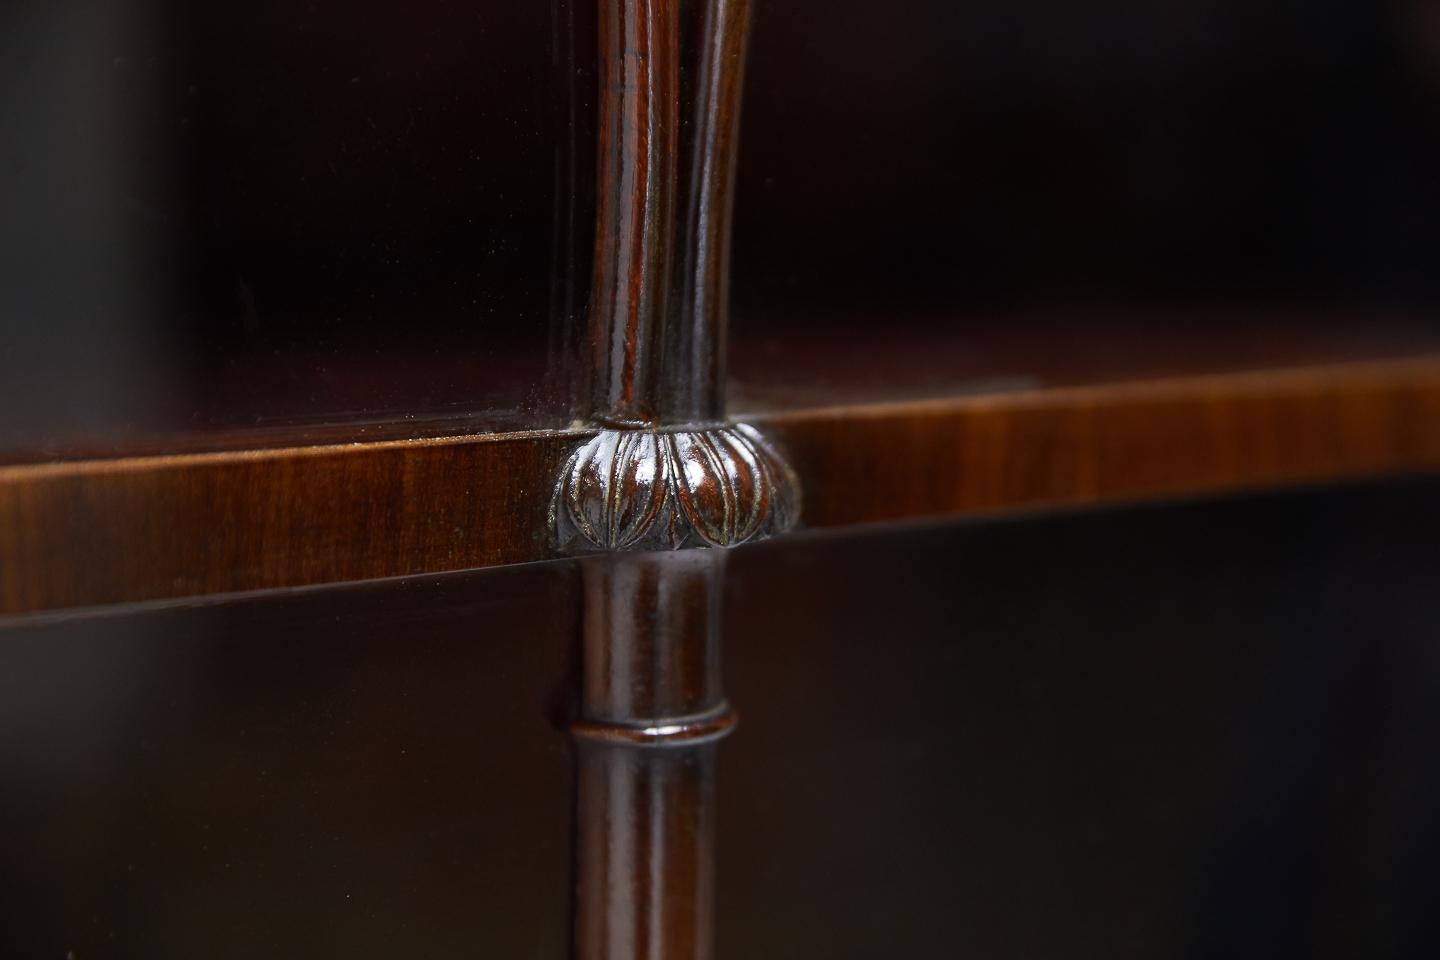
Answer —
652 706
657 464
82 534
714 43
668 489
646 848
652 709
1221 716
1116 443
639 126
671 79
102 532
652 645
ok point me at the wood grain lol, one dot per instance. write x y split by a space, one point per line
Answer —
652 708
671 77
154 528
639 104
714 38
103 532
1113 443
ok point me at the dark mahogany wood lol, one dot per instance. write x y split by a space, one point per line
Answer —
152 528
646 853
651 712
652 706
1183 709
651 637
713 37
102 532
1117 443
653 465
669 124
639 105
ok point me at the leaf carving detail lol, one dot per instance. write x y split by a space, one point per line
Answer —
645 489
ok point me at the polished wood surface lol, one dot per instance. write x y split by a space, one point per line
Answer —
652 709
90 533
149 737
82 534
1220 716
651 639
794 361
671 76
713 44
1118 443
639 130
663 472
646 849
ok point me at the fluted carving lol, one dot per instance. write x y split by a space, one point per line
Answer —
669 489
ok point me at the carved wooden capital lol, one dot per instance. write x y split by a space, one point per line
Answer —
674 488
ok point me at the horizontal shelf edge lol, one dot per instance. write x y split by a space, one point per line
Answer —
93 533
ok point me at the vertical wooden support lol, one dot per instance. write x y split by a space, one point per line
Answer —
635 204
666 475
671 75
653 711
713 38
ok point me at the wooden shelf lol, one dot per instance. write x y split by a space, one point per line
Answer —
802 362
146 528
1114 443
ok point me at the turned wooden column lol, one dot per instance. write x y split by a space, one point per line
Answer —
664 485
671 74
653 713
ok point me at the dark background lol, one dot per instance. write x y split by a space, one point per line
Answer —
1203 730
276 215
1121 154
222 214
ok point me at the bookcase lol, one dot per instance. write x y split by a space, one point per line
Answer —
469 484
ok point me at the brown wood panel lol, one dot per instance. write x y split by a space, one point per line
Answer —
670 83
81 534
88 533
1113 443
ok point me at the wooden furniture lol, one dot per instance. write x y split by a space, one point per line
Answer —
634 470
